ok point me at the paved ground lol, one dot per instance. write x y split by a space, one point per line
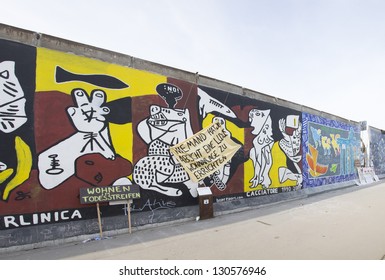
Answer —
346 224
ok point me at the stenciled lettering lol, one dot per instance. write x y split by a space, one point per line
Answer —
15 221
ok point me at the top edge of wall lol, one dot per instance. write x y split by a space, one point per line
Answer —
218 84
377 129
47 41
17 34
59 44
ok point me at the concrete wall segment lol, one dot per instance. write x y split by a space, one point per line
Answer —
218 84
157 68
149 107
54 43
18 35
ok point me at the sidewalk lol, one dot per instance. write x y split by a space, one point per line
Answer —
346 224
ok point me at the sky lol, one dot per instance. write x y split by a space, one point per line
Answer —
325 54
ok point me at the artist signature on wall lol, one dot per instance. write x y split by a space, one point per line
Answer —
153 205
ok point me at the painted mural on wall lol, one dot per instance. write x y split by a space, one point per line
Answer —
377 150
69 122
17 85
329 151
270 160
65 141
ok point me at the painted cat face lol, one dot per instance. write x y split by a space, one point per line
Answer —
166 118
169 125
12 101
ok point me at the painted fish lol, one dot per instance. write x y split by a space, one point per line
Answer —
100 80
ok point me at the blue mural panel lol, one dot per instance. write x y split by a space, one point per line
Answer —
330 148
377 150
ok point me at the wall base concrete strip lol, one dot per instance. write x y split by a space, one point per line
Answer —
53 234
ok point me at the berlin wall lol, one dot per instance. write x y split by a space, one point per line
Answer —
74 116
377 150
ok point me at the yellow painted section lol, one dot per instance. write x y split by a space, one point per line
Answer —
24 165
122 139
279 160
140 82
5 174
248 168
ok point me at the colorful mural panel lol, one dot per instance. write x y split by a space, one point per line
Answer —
377 150
329 150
